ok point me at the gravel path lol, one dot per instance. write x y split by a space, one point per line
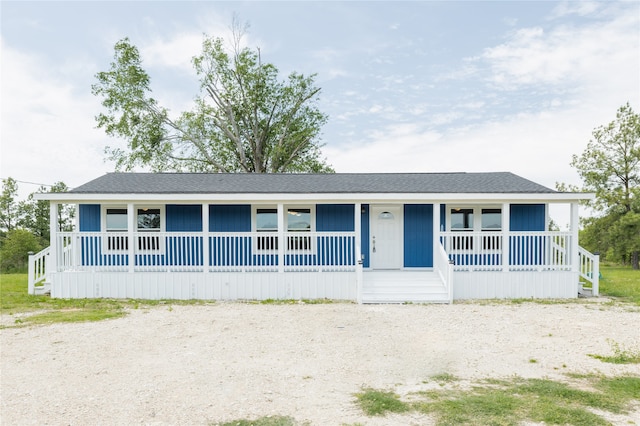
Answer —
197 365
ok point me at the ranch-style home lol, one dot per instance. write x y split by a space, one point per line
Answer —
365 237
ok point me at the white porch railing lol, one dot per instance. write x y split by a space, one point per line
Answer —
443 266
37 269
224 252
524 251
589 266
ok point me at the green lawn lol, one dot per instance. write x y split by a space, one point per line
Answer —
617 281
14 299
622 282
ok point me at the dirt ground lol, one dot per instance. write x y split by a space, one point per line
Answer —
198 365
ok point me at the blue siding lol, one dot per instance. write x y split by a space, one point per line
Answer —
527 217
418 235
89 217
183 218
230 218
335 218
364 218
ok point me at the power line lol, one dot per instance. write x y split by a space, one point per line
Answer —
30 183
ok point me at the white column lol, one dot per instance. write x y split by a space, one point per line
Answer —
357 217
575 225
505 216
205 238
131 228
282 243
52 262
436 228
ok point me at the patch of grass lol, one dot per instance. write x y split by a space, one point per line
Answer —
296 301
14 299
620 282
620 355
375 402
262 421
510 402
443 378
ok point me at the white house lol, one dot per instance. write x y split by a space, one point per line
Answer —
367 237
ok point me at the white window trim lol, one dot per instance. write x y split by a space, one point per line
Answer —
103 227
477 216
312 213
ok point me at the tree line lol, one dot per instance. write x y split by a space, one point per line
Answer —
610 167
25 225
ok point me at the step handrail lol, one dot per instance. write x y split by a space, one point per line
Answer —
37 269
589 269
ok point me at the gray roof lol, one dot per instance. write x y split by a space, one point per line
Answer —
353 183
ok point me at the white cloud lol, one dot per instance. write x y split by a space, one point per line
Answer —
47 132
589 71
566 54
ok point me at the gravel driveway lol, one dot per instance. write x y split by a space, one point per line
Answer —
204 364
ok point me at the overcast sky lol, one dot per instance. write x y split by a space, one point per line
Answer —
408 86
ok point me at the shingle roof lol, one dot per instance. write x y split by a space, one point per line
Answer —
354 183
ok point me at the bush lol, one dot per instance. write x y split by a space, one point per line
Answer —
14 254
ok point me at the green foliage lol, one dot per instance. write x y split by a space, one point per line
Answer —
262 421
14 299
620 355
378 403
14 253
517 400
8 205
610 167
620 282
244 119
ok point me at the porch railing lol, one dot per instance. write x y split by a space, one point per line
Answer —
443 266
211 252
525 251
589 266
37 269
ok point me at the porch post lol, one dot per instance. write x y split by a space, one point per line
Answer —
205 237
281 238
131 226
436 228
506 214
357 217
575 220
51 264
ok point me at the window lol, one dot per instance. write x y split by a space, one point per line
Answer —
298 221
148 220
267 221
462 219
491 219
478 219
116 221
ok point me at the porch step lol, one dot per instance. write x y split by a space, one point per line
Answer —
403 287
43 289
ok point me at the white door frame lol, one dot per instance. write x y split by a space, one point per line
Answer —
392 249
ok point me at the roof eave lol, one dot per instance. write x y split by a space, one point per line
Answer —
73 198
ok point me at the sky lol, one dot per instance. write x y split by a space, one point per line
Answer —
420 86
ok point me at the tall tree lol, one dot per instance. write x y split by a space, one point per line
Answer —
610 167
8 204
244 119
34 214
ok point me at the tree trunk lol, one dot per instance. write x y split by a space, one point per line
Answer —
635 260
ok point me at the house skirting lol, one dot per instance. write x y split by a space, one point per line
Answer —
515 285
264 285
211 286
